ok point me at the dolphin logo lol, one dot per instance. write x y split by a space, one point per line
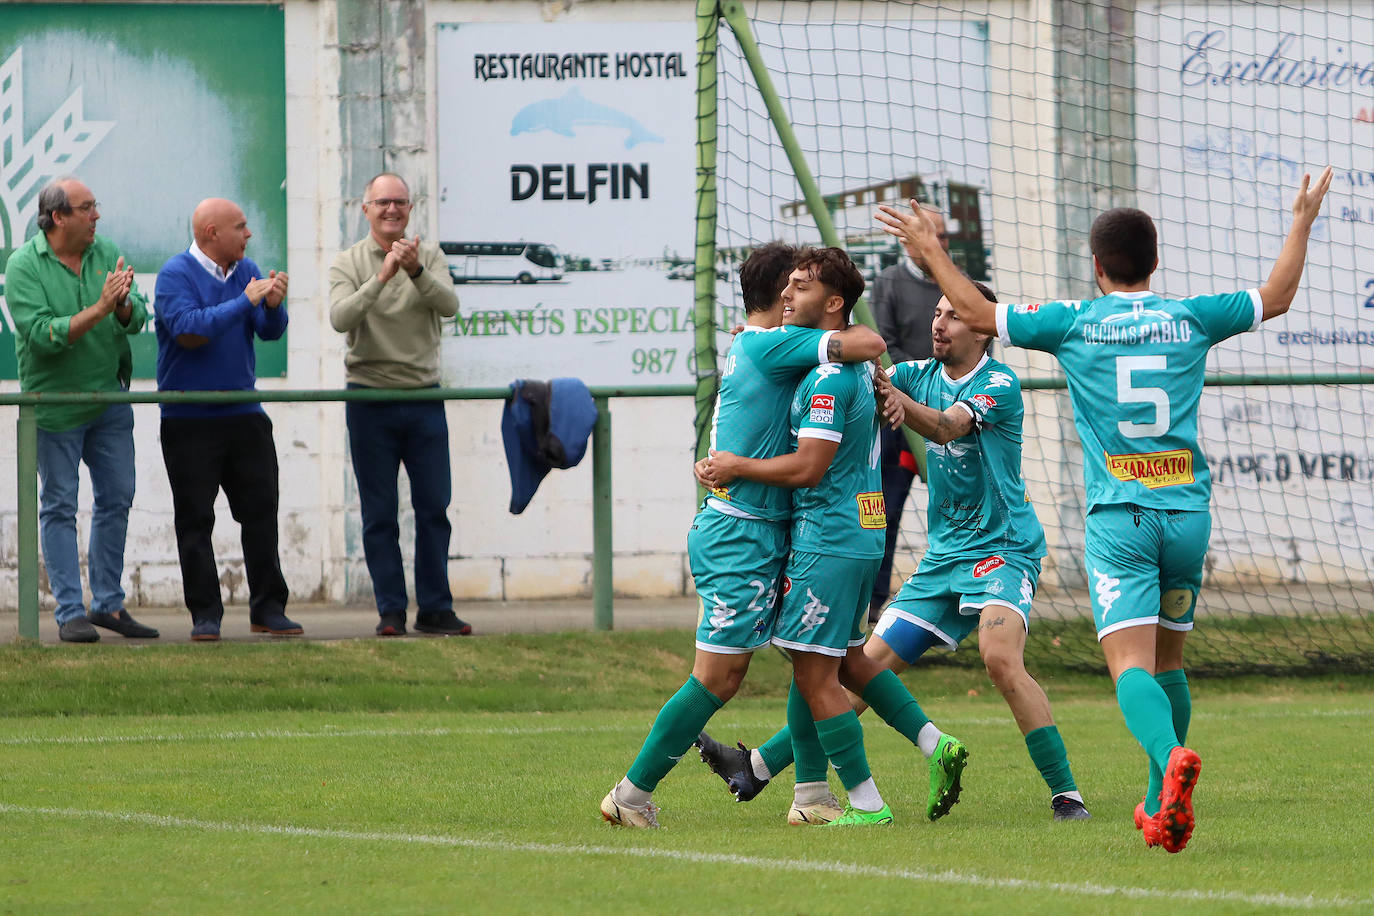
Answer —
562 114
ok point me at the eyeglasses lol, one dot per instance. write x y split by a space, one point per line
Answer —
384 202
87 207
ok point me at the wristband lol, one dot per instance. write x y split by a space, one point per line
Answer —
418 271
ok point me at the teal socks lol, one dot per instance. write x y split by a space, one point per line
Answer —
1051 759
887 696
843 739
777 750
1175 686
1148 714
675 729
806 743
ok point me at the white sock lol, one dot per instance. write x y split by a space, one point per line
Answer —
627 793
928 738
865 796
1075 795
808 793
758 766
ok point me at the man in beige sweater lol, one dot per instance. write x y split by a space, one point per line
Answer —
389 293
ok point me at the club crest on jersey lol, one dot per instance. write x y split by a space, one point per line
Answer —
999 380
984 402
822 408
985 566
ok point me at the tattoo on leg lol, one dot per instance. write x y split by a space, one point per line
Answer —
995 622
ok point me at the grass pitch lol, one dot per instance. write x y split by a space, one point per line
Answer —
465 775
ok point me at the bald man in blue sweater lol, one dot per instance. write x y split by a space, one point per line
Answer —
211 302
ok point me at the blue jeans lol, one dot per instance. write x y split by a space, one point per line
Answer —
106 444
381 438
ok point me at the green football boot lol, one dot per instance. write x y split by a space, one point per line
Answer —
946 768
853 817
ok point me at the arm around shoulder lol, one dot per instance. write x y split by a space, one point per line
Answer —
855 344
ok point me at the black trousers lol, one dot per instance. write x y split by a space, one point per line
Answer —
236 453
897 482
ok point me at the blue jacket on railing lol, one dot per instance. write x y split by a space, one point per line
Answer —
189 300
544 425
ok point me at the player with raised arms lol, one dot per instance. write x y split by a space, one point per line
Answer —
979 571
1135 364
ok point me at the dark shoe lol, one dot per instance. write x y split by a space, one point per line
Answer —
123 624
78 629
443 623
205 631
392 625
1068 809
732 765
276 623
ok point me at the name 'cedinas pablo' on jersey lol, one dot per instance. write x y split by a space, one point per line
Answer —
1126 328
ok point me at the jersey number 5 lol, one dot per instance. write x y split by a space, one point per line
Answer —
1126 393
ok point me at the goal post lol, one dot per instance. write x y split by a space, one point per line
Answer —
1021 120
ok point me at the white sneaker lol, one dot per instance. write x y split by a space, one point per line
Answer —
822 811
617 812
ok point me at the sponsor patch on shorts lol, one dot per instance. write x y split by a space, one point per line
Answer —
1153 469
987 565
872 510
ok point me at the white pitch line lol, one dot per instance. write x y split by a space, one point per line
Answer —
949 876
274 734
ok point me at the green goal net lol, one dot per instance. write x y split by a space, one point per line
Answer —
1020 122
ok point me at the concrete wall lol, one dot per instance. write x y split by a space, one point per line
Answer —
359 83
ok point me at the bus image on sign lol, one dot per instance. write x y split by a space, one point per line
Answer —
516 262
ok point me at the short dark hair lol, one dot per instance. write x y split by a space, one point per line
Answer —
1126 245
52 199
989 295
763 275
833 269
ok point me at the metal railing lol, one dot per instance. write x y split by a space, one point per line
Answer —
603 614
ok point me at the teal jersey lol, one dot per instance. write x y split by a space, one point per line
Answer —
751 418
977 498
1134 363
843 515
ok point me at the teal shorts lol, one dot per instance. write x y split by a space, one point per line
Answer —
1144 565
736 565
825 603
947 597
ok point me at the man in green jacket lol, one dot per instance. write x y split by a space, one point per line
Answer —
74 304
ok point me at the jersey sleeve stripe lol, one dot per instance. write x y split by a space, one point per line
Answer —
829 435
823 354
1002 334
1259 307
